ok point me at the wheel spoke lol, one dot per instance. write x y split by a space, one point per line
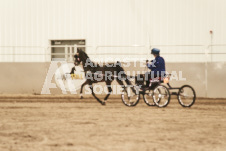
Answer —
148 97
162 96
129 98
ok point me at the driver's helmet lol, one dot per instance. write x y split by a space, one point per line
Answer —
155 51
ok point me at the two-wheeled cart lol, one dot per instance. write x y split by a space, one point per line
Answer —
158 94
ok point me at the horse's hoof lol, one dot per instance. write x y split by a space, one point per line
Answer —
81 97
103 103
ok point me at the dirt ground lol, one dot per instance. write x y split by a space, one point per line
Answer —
73 124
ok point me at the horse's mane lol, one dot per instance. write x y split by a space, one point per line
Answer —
83 52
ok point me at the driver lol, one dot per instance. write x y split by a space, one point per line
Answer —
157 67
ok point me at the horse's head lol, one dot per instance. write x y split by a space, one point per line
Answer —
80 56
77 59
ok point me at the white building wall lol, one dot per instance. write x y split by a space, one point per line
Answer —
116 22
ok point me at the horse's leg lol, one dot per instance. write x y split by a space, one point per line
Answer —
72 70
91 88
121 83
124 77
123 86
86 82
127 81
109 90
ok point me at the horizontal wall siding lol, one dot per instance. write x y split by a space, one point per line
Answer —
116 22
14 75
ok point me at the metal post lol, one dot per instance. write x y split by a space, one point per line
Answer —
211 45
13 54
206 71
66 53
70 55
75 49
46 54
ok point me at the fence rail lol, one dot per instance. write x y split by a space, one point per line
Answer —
45 54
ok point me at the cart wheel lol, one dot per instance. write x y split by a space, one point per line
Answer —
161 96
148 98
186 96
129 98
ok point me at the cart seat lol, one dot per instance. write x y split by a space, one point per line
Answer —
160 79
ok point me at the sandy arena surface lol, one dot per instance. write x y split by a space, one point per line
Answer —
73 124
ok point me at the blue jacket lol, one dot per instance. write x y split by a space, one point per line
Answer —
157 66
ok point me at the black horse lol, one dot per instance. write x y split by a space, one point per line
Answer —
95 73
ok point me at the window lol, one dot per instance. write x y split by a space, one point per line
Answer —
63 50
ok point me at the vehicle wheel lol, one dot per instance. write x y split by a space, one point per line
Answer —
129 98
186 96
161 96
148 97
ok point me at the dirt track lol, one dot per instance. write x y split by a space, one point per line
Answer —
86 125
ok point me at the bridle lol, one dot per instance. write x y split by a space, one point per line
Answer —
77 59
